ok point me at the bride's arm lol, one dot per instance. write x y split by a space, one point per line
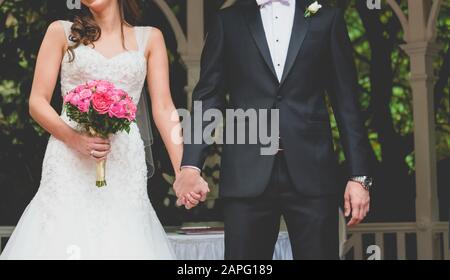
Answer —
45 76
163 108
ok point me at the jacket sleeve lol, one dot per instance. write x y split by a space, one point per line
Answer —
343 92
210 91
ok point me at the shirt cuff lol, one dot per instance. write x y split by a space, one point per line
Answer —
191 167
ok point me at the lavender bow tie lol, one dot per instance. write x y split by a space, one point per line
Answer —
264 2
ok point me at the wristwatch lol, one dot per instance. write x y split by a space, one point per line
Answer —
365 181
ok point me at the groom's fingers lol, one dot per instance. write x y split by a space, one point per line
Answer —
347 207
179 203
204 192
362 214
366 210
191 199
356 214
196 196
189 205
203 196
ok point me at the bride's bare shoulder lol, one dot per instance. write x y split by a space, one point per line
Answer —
156 34
155 38
56 28
152 31
56 33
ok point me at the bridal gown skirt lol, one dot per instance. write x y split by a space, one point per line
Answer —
70 218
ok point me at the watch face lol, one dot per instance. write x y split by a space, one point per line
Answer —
368 182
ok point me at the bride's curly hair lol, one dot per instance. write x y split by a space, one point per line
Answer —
86 31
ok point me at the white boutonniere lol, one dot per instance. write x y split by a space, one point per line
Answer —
312 9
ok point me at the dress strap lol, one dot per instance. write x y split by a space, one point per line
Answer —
142 37
67 29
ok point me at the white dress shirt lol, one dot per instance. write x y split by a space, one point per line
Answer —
278 19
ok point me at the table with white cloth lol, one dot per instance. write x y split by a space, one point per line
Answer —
211 246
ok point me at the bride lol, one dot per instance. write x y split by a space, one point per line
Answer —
70 218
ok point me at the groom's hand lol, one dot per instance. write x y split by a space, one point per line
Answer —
357 202
190 188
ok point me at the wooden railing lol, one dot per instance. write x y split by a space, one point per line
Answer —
368 241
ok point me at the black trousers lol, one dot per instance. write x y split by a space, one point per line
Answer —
252 224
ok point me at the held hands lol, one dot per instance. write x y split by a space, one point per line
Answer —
96 147
190 188
357 203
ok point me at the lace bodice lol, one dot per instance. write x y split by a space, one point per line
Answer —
126 70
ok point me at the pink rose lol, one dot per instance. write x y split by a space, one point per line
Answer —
104 86
75 99
123 109
80 88
85 94
131 116
101 89
131 109
118 110
117 94
92 84
83 105
102 102
80 98
68 97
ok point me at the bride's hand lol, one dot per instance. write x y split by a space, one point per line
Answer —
96 147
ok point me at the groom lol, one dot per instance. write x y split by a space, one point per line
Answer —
286 55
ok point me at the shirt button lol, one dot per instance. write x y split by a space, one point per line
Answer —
277 40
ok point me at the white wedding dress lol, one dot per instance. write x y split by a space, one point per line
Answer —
70 218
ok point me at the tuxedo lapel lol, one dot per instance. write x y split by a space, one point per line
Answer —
255 24
299 31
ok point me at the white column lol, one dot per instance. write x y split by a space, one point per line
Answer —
422 56
420 28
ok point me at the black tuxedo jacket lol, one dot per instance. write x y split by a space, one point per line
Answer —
236 60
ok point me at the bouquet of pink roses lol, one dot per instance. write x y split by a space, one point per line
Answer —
100 109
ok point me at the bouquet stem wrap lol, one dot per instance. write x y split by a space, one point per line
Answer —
100 166
101 180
